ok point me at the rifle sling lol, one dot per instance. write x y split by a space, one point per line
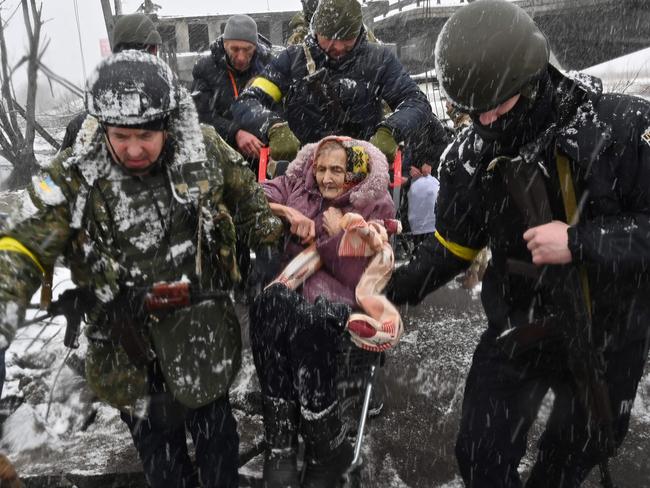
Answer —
526 187
311 65
572 214
324 94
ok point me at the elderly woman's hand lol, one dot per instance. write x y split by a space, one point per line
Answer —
332 220
301 226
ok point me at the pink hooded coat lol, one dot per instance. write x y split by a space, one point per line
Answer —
338 277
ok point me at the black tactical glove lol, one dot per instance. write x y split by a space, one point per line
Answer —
73 304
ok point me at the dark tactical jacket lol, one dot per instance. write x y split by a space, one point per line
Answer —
607 140
213 89
118 231
349 102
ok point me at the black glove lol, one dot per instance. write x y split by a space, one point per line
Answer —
73 304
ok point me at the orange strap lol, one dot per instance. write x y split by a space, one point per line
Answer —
264 161
398 180
233 83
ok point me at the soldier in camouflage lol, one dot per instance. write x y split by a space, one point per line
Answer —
148 195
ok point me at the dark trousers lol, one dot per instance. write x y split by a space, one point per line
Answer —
502 398
161 442
294 348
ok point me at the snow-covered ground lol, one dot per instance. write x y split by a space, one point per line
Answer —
410 445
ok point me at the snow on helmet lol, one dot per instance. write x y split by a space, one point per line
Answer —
135 30
132 88
337 19
487 52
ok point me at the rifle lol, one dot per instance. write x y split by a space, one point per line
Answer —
74 303
324 92
570 289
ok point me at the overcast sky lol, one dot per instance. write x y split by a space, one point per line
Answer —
63 54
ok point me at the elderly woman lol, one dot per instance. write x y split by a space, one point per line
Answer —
295 334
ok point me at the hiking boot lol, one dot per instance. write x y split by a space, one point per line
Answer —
281 436
329 454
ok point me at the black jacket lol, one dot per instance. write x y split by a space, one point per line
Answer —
607 141
213 89
350 102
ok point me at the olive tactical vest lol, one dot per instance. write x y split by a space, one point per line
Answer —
135 231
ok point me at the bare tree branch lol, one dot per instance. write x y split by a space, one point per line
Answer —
6 88
7 147
5 155
11 16
61 80
39 128
34 33
26 19
17 138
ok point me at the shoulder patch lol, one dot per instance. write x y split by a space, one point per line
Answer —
47 191
645 137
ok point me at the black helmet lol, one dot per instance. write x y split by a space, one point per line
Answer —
135 31
487 52
131 88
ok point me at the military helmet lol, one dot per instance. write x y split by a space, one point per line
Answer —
487 52
337 19
132 88
135 30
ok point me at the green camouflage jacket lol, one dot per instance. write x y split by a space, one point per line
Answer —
118 231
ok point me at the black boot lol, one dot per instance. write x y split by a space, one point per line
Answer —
281 436
328 452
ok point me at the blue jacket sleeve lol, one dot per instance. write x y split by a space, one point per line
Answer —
411 109
256 110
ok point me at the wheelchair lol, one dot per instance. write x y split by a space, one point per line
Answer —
357 371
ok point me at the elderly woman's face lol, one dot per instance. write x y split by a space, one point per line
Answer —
329 169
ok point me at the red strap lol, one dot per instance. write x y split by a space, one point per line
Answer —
234 84
398 180
264 160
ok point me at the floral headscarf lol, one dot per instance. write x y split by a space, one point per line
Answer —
358 163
